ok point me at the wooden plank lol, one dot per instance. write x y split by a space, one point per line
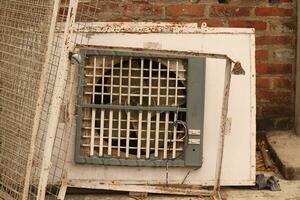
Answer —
138 188
62 192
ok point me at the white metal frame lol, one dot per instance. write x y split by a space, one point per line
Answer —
57 98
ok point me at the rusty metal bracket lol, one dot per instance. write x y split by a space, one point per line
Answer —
237 70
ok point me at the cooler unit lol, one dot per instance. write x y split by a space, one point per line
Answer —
151 107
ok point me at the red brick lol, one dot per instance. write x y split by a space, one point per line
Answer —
273 11
258 25
141 10
262 83
261 54
272 94
212 22
273 40
94 9
223 10
283 83
277 110
185 10
264 68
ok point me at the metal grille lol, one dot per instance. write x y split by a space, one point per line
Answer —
132 106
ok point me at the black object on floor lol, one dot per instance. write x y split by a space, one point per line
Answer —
267 182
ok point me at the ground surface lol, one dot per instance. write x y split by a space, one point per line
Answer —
285 150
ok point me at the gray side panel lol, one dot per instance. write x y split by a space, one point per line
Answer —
195 114
79 111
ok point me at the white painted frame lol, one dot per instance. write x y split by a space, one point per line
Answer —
57 98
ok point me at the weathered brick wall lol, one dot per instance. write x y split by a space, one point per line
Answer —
275 25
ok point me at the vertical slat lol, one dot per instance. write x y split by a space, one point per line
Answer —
149 113
140 112
167 113
157 113
93 110
102 111
92 142
111 112
175 114
128 113
101 132
120 102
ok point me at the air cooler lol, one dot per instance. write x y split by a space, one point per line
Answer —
148 106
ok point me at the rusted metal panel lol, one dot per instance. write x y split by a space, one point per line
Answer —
151 27
134 27
165 52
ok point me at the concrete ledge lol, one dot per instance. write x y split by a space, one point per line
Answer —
285 150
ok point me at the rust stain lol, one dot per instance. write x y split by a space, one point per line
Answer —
121 28
167 52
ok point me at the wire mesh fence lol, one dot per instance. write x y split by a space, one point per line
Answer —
29 60
46 180
24 35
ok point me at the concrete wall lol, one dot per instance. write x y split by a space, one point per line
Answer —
275 25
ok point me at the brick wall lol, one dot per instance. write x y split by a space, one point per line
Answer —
275 25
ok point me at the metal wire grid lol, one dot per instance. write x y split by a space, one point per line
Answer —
136 82
89 11
59 155
61 138
24 30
